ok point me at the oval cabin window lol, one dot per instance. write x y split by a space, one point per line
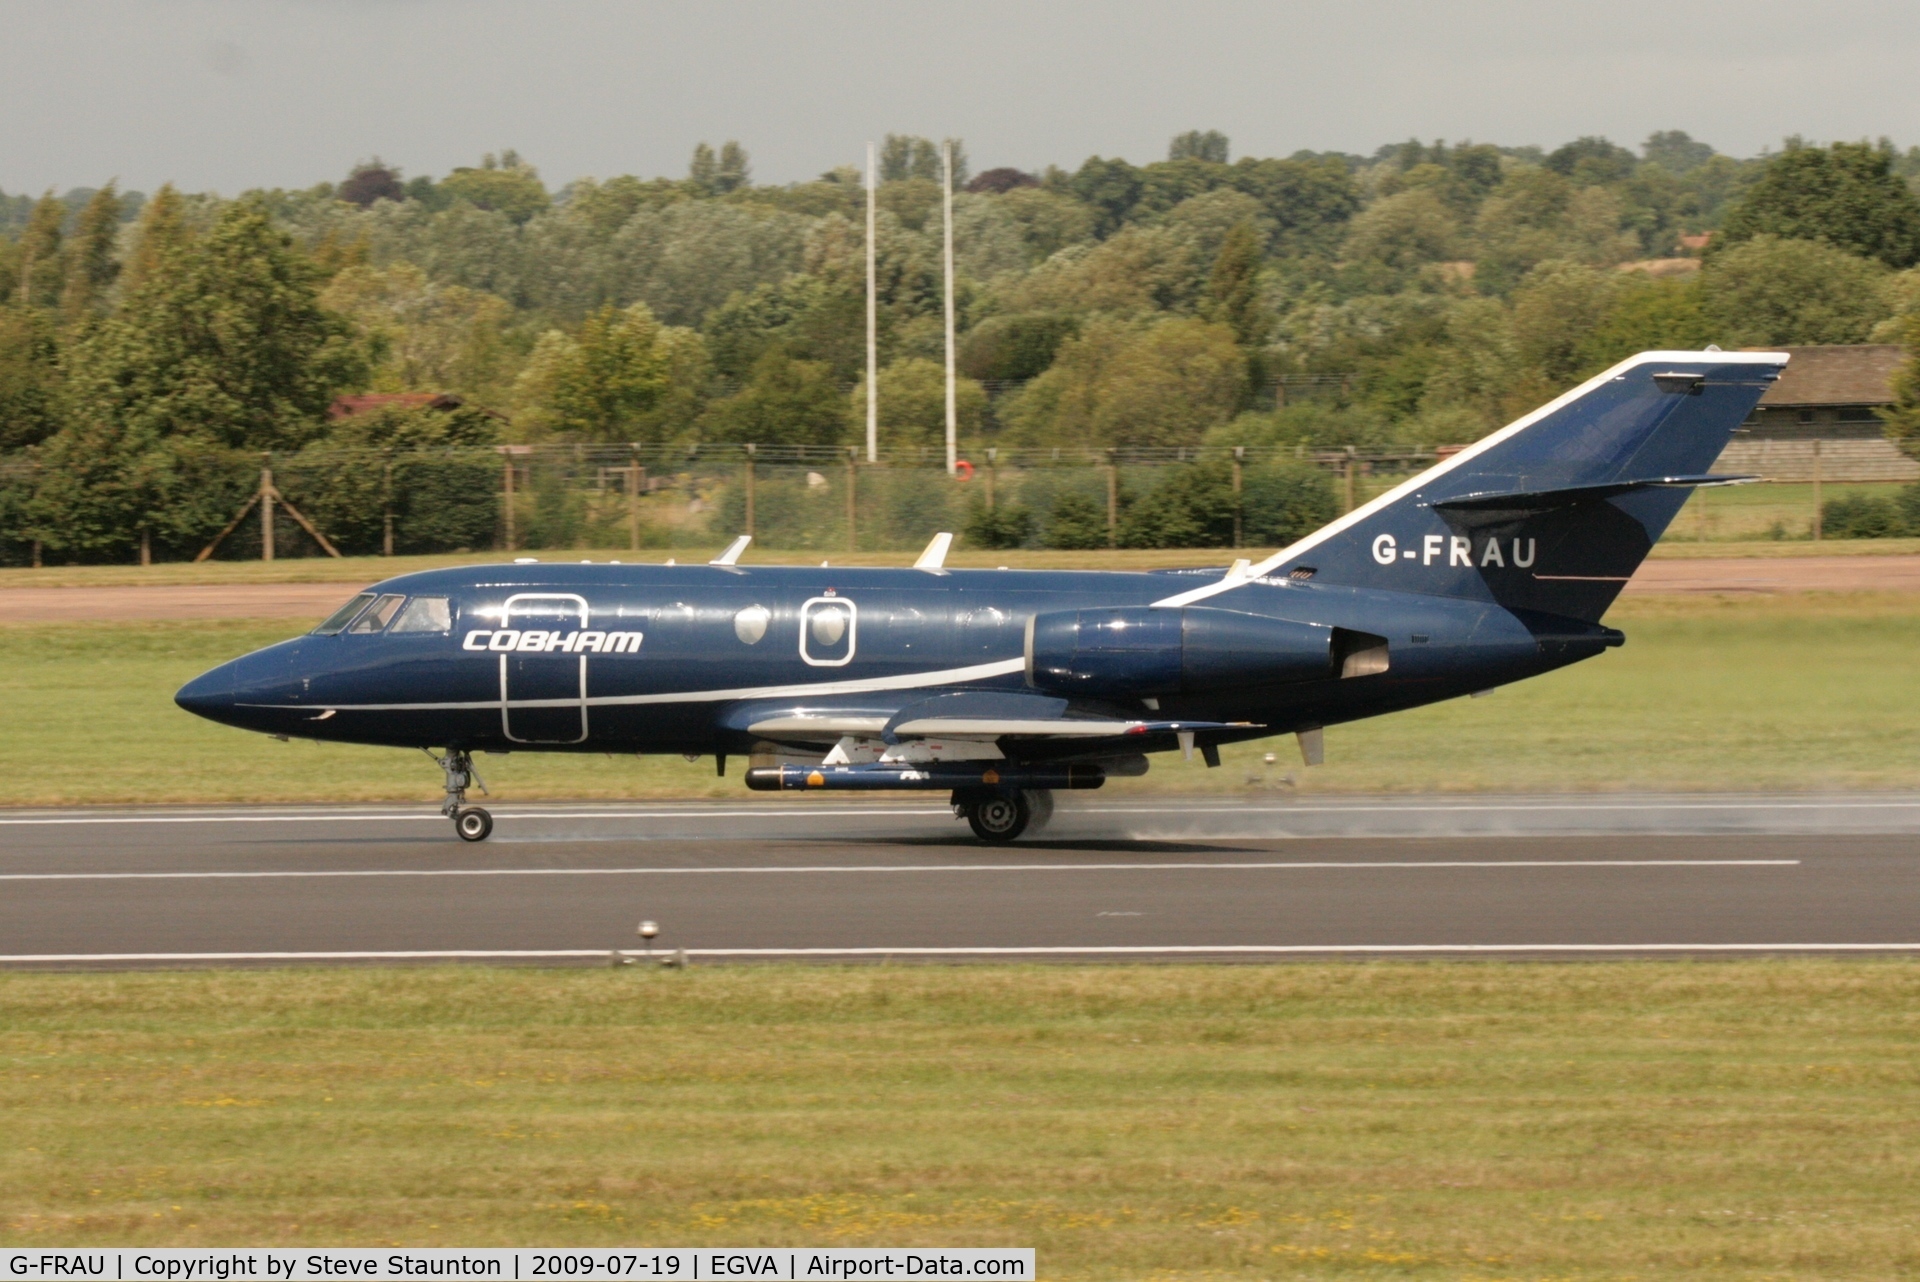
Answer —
751 624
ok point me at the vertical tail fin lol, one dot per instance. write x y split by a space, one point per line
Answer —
1556 511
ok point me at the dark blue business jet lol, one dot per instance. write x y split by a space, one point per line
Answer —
1002 686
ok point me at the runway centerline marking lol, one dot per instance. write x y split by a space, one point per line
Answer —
1322 866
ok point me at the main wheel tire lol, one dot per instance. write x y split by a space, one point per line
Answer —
1000 817
473 824
1040 806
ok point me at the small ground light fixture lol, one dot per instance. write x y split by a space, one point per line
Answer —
648 929
1269 758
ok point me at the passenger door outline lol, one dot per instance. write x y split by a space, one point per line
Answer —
510 659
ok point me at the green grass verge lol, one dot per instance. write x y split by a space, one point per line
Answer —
1455 1120
1792 692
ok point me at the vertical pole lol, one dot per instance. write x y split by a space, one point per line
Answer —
852 501
1351 465
507 506
993 470
873 331
750 529
1816 490
386 516
1239 459
266 508
36 554
1113 497
633 496
146 546
946 207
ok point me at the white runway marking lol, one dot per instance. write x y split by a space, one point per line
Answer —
1090 950
901 868
424 816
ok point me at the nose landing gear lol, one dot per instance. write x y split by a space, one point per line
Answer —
470 823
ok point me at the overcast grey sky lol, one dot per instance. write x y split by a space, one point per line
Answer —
228 94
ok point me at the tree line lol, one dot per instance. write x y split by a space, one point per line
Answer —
1425 293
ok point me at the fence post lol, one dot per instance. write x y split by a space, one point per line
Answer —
1113 497
507 501
749 466
633 496
146 546
1239 458
993 467
386 500
266 507
1352 465
852 541
1816 489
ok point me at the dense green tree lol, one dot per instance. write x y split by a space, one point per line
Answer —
38 267
703 172
913 404
1110 188
1675 151
1117 385
1591 161
1767 291
1846 195
427 336
370 181
785 402
1014 347
1195 144
1405 231
432 471
734 171
507 185
30 377
602 383
1233 289
160 233
225 341
1903 416
91 262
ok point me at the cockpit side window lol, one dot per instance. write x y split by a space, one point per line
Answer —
425 614
377 615
340 618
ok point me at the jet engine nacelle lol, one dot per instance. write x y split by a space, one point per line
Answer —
1139 651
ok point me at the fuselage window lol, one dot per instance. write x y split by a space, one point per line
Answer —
343 616
378 615
425 614
751 623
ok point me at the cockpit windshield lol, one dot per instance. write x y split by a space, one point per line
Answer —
378 615
340 618
425 614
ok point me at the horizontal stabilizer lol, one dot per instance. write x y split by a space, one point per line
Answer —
1546 500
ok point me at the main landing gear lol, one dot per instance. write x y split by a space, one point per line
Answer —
470 823
1000 817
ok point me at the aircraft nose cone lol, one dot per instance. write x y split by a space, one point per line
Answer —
210 694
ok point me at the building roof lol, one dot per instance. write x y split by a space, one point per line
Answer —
1857 375
348 406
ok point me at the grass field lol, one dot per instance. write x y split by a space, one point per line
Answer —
1792 692
1456 1120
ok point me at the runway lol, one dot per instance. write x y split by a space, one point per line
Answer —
1541 876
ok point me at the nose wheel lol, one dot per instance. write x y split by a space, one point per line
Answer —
470 823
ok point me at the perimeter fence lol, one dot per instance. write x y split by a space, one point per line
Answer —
338 500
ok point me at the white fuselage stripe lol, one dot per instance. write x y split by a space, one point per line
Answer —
861 685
